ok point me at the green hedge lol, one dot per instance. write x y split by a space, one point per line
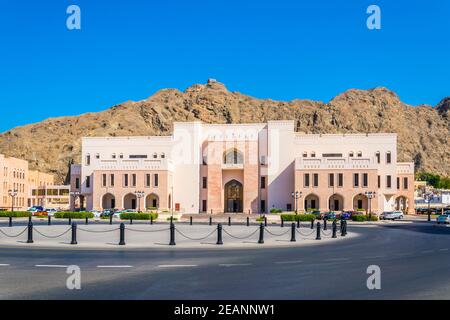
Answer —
276 210
138 216
363 217
15 214
73 215
298 217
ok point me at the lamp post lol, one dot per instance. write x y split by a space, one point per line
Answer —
74 195
428 198
12 193
296 195
139 195
370 195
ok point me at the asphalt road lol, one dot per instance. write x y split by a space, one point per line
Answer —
414 259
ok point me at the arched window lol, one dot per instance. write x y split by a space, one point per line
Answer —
377 155
351 154
113 156
163 155
313 154
359 154
305 154
388 157
155 155
233 156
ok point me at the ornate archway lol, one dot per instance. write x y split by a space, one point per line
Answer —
234 192
233 156
312 202
360 202
130 201
108 201
152 201
401 204
336 202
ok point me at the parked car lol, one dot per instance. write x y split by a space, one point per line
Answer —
37 211
331 215
97 214
317 213
51 212
117 214
391 215
443 218
347 215
106 213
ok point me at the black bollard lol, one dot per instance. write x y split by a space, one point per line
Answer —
10 221
318 232
70 221
345 228
110 218
49 222
74 233
312 224
122 234
293 232
261 233
248 221
334 229
341 227
29 219
151 219
324 224
229 221
219 234
298 222
190 220
30 233
265 221
210 220
171 219
172 234
131 220
86 220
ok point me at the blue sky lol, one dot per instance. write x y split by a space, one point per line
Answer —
283 49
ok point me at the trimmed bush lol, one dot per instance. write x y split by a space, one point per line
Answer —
276 210
363 217
174 219
73 215
138 216
15 214
298 217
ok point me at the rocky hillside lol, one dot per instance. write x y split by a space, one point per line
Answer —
423 131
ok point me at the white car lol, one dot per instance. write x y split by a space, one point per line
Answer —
96 213
392 215
51 212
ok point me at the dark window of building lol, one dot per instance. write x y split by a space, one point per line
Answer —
133 180
388 157
77 183
205 182
365 179
204 206
111 180
378 156
147 180
156 180
263 182
398 183
315 179
388 181
88 182
405 183
103 180
359 154
356 179
88 160
340 179
125 180
138 156
331 180
379 181
332 155
306 179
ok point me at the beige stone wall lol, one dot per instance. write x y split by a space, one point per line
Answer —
13 175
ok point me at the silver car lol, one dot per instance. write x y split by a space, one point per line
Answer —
443 218
391 215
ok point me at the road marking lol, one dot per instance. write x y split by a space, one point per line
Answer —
177 265
234 264
444 249
375 257
337 259
114 266
427 251
4 265
289 262
50 266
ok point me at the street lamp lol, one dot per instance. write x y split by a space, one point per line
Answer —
12 193
74 195
296 195
370 195
139 195
428 198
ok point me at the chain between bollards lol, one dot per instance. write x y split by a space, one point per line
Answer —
293 232
172 234
74 233
261 233
122 234
219 234
318 232
30 232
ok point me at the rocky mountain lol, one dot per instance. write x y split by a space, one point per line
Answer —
423 131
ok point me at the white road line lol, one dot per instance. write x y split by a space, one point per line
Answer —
337 259
50 266
375 257
114 266
443 249
234 264
4 265
427 251
177 265
289 262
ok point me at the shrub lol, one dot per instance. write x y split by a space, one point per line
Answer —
260 219
174 219
15 214
138 216
73 215
298 217
275 210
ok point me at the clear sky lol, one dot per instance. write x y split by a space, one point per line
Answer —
280 49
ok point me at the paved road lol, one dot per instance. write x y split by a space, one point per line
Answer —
414 259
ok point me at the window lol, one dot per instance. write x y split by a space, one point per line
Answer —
351 154
379 181
315 180
97 156
103 180
356 179
263 160
398 183
155 180
305 154
163 155
388 157
388 181
111 180
263 182
88 182
204 206
155 155
331 180
332 155
125 180
340 179
121 156
147 180
289 207
233 157
365 180
405 183
313 154
113 156
359 154
205 182
133 180
377 155
77 183
306 179
138 156
88 159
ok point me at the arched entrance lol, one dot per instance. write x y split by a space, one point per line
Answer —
336 202
360 202
130 201
401 203
152 201
108 201
233 196
311 202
